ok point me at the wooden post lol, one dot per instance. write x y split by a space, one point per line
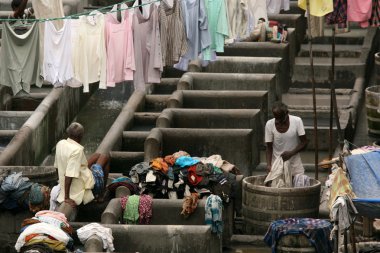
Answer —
313 85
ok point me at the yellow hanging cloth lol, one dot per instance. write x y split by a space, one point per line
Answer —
318 8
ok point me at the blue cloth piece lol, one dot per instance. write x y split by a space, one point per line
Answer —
170 173
185 161
364 174
97 171
317 232
213 214
122 179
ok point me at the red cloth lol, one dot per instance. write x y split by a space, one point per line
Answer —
192 176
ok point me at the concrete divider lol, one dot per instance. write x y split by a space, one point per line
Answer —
238 146
221 100
39 134
249 65
46 175
168 212
114 136
13 120
230 81
93 244
162 238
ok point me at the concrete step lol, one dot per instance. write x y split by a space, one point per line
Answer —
145 121
346 70
354 37
306 99
121 162
324 50
134 140
167 86
156 103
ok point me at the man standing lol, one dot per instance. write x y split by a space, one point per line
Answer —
285 137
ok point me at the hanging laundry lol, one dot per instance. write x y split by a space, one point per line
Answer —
217 25
359 11
375 14
19 59
318 8
47 9
172 32
131 212
57 65
89 51
339 15
237 15
275 6
197 32
256 9
144 6
213 214
145 209
147 45
120 48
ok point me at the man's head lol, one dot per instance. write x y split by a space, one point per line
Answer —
15 4
280 112
75 131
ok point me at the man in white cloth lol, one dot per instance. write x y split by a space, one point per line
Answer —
285 137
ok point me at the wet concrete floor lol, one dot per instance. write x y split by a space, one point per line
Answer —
100 112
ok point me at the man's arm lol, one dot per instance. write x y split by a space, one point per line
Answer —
301 146
269 154
68 200
20 10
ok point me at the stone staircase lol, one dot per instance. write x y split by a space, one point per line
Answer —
350 65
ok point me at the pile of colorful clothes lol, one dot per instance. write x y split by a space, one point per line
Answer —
178 175
19 193
47 231
137 209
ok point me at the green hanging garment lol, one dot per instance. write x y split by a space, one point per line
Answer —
131 212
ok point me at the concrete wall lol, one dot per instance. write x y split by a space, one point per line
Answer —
36 138
230 81
238 146
230 64
13 120
221 100
162 238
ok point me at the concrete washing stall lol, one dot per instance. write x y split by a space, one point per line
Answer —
230 82
234 145
248 65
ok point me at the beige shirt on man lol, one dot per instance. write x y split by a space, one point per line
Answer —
71 162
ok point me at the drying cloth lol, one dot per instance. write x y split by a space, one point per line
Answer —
340 186
213 214
131 212
339 15
279 174
318 8
343 211
185 161
56 222
159 164
19 59
37 248
97 172
170 160
53 214
301 180
42 228
316 230
54 193
104 233
145 209
189 204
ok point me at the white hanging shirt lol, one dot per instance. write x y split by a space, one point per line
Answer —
89 54
57 65
275 6
256 9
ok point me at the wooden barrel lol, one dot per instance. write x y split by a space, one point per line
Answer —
262 205
372 103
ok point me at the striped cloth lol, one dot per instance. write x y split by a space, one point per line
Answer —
173 36
339 15
213 214
375 16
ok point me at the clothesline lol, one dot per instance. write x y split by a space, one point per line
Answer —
88 13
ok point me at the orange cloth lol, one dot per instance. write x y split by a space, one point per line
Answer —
170 160
189 204
340 187
159 164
